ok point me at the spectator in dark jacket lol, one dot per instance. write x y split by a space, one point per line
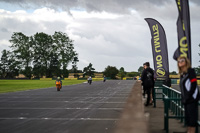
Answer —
148 81
189 93
144 88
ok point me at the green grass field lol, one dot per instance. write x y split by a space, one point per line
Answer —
20 85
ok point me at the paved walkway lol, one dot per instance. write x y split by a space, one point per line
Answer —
152 120
156 120
133 119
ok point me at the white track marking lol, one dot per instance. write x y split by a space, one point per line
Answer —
61 102
60 97
64 108
62 119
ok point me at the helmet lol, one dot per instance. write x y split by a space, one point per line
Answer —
58 78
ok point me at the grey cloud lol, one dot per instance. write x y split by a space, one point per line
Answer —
195 1
3 46
116 6
165 9
129 33
29 27
117 39
4 30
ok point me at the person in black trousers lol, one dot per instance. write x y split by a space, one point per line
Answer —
189 93
144 89
148 81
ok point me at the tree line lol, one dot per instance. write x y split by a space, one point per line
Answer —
48 55
110 71
38 55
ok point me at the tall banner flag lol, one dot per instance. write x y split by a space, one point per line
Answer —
183 30
159 49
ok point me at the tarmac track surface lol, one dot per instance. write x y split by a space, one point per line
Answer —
81 108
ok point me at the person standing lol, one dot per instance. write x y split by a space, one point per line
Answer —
144 88
189 93
148 81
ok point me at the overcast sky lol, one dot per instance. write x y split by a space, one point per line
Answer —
105 32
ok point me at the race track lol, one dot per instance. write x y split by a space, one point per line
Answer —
81 108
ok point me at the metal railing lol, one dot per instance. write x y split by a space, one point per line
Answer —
158 91
172 102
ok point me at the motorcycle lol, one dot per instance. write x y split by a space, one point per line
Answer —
58 85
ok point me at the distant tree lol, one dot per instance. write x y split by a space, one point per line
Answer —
42 45
199 53
197 70
72 71
121 73
9 66
173 73
64 47
40 54
89 70
1 72
54 67
13 66
23 51
111 72
4 63
132 74
140 69
74 66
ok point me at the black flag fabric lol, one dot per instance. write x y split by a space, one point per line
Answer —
159 49
183 30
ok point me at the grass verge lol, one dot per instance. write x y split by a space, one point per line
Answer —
21 85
